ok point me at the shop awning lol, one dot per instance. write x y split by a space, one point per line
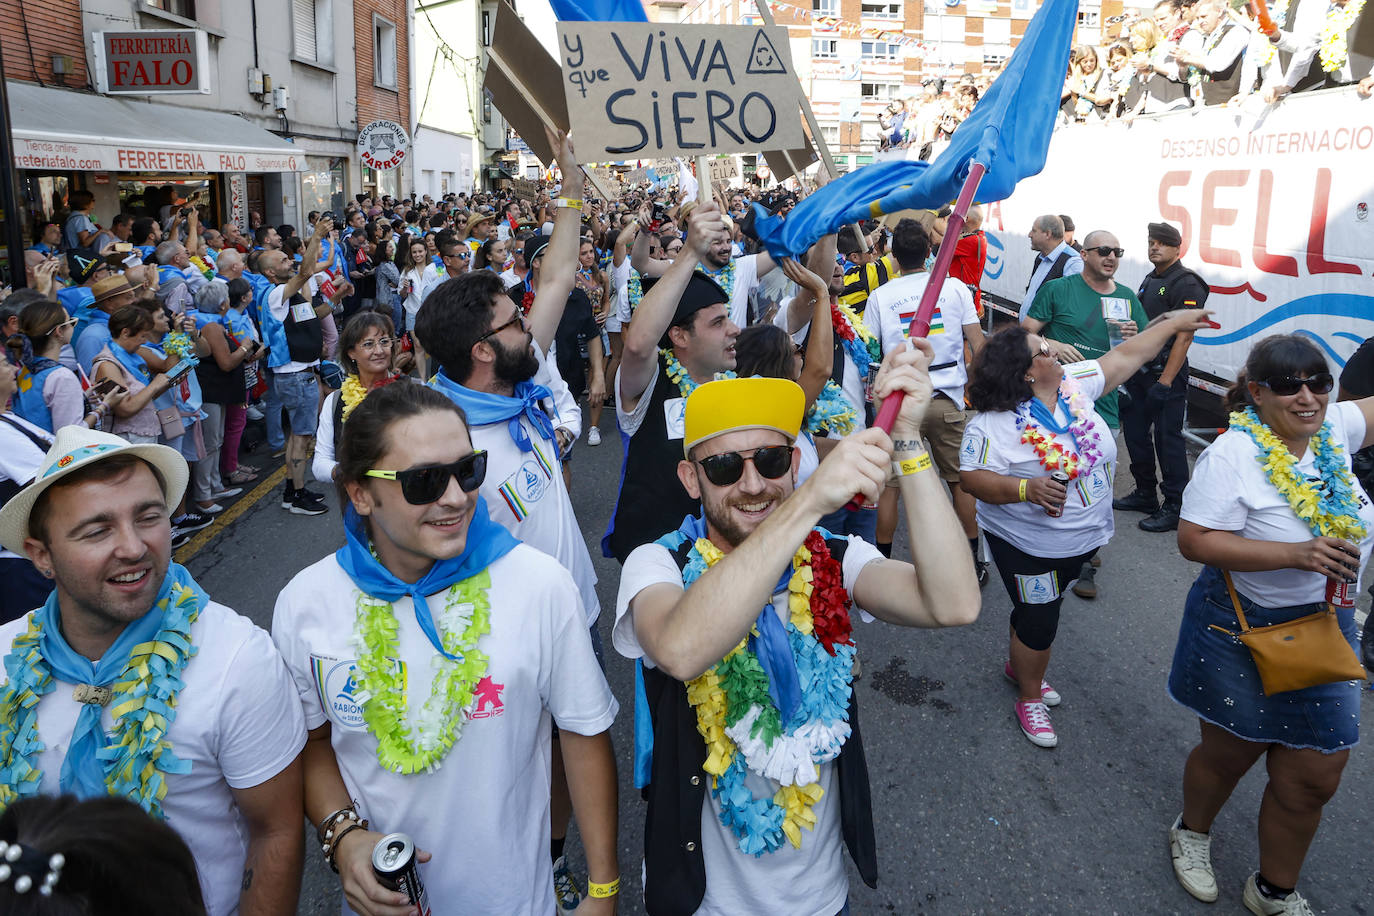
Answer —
61 130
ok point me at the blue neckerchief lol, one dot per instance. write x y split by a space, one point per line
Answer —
487 542
771 646
82 771
483 408
131 361
1045 418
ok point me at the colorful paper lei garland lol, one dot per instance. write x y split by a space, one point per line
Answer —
861 344
678 374
143 706
742 726
1335 514
1051 452
1333 51
411 743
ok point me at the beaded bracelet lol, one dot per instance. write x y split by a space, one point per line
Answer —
331 850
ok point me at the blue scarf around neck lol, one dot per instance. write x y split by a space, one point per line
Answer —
483 408
132 362
487 542
82 771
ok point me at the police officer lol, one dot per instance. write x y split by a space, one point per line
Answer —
1152 417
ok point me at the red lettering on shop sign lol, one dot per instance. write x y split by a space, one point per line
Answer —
228 163
137 73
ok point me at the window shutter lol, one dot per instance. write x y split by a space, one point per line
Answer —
303 24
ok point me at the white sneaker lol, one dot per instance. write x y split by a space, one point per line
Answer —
1292 905
593 436
1192 855
254 412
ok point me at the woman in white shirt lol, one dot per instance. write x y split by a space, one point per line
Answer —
1235 518
1035 418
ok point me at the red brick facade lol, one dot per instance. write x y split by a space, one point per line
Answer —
53 28
374 101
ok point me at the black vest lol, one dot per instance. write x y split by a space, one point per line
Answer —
1056 269
675 870
652 501
304 339
1222 86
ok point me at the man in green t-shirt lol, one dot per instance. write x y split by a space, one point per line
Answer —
1078 316
1073 312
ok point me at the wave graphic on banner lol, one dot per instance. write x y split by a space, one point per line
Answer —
1323 305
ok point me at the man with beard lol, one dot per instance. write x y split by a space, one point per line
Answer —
521 414
691 601
130 681
737 276
682 336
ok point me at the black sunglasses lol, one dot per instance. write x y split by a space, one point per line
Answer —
518 319
1285 385
422 486
771 461
1104 250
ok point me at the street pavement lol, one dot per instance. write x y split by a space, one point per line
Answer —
970 817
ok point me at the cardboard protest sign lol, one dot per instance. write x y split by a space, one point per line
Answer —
525 189
723 170
604 181
644 89
788 162
524 82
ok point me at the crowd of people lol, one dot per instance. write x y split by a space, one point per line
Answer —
430 363
1184 54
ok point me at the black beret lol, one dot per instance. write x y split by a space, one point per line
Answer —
1163 232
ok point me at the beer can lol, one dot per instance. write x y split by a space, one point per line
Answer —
1340 594
393 862
1063 480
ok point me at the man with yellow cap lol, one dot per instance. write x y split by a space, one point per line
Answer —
771 691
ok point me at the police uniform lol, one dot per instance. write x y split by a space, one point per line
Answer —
1152 420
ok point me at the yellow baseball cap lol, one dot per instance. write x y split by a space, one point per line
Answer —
727 405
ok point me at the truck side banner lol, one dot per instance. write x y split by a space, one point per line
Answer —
1275 215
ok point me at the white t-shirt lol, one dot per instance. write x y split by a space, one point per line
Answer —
620 282
852 383
1229 491
992 442
892 306
810 881
324 461
746 278
221 729
484 814
418 290
20 458
280 307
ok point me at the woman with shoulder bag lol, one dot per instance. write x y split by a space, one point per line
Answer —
1283 529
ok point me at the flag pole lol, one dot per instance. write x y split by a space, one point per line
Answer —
920 324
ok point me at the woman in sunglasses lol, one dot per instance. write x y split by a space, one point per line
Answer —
1273 502
49 394
431 654
1037 422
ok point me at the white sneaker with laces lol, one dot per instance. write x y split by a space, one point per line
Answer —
1192 855
593 436
1292 905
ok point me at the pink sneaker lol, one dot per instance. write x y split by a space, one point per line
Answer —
1034 720
1047 693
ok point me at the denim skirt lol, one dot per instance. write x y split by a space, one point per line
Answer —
1214 675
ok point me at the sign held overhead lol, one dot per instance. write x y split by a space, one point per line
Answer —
652 91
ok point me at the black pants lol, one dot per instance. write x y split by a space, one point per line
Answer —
1139 419
1036 587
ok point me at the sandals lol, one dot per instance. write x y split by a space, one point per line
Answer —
242 475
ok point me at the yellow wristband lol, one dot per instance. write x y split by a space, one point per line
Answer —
1021 489
572 202
603 890
915 465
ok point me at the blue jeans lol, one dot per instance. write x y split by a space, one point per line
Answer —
845 521
272 412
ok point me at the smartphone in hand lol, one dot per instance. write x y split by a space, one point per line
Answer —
176 373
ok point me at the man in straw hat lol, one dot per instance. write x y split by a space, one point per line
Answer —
130 681
772 690
93 324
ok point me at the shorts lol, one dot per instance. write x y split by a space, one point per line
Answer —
943 431
612 325
1215 676
300 395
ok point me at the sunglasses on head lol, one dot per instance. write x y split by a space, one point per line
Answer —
1104 250
422 486
771 461
1320 383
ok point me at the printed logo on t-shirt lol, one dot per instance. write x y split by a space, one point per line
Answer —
527 485
1041 589
974 450
1096 485
336 684
487 702
1116 308
675 417
937 322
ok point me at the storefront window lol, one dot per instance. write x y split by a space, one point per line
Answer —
379 183
42 198
158 197
322 184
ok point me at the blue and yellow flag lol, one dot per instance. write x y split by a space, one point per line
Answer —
1008 131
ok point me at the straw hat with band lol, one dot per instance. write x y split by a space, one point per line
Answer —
477 219
732 404
77 447
110 287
